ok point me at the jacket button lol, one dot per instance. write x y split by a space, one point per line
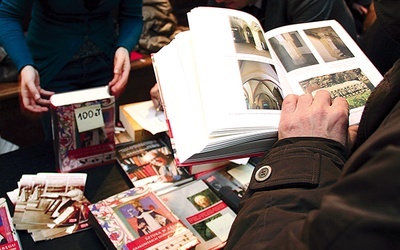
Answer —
263 173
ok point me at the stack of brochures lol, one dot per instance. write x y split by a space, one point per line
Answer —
50 205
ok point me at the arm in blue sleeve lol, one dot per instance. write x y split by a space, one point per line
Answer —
130 23
12 38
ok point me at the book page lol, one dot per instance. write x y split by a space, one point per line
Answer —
321 55
179 89
146 115
239 83
243 75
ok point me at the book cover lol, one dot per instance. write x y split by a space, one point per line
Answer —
83 125
203 212
138 219
51 205
229 182
235 110
151 162
9 238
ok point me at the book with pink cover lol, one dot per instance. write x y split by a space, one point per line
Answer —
137 219
9 238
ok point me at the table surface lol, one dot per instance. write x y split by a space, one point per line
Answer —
102 181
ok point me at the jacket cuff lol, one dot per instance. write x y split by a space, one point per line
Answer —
296 162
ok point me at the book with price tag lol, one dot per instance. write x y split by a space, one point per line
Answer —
83 123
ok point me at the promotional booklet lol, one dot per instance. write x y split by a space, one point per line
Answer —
151 162
51 205
222 82
136 219
203 212
229 182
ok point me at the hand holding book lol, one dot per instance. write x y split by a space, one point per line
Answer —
319 116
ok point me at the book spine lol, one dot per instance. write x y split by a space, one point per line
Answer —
56 136
123 117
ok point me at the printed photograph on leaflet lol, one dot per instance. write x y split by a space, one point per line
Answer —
151 163
229 182
202 211
51 205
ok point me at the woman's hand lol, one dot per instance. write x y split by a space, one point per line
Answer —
33 98
122 68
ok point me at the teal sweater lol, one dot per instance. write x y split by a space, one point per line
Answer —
58 28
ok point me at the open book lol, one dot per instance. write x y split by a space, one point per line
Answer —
223 82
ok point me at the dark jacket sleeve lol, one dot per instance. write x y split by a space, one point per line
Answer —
295 186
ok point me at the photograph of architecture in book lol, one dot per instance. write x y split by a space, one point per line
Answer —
292 51
328 44
248 37
260 85
350 84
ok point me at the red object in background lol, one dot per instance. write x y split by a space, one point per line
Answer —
134 56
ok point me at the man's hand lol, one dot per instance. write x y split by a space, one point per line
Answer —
318 116
122 68
156 98
33 98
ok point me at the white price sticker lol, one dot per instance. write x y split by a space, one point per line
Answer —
89 117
